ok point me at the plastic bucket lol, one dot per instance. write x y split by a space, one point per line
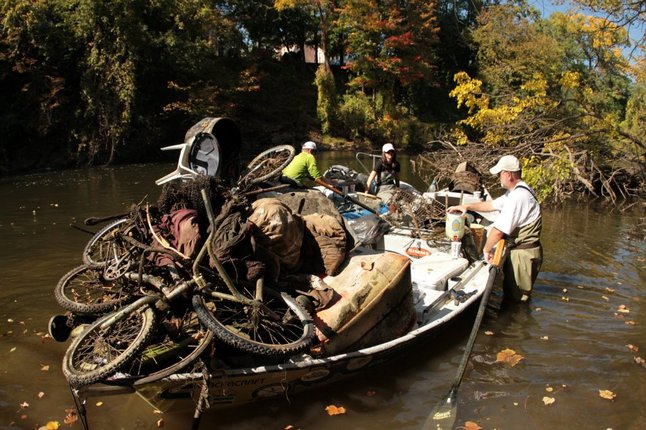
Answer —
454 225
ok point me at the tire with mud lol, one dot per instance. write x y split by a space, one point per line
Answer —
268 164
99 352
254 329
101 248
84 291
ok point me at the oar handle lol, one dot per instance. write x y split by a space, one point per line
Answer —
497 256
345 196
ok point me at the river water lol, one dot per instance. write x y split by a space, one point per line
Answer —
583 331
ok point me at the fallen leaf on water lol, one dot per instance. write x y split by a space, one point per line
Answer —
157 411
538 309
610 290
508 356
41 395
549 389
470 425
565 290
565 299
71 416
632 347
44 367
24 405
548 400
9 320
489 333
605 298
335 410
99 404
629 322
545 338
623 309
640 361
607 394
12 349
51 425
160 423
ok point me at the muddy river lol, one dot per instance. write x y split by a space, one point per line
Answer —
584 331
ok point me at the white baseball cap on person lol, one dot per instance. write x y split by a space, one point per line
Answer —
507 163
309 145
387 147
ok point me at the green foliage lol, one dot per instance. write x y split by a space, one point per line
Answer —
356 113
326 100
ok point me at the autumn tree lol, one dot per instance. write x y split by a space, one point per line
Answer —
390 47
553 92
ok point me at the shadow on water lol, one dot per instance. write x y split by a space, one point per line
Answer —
573 335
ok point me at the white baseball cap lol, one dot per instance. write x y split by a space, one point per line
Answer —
507 163
309 145
387 147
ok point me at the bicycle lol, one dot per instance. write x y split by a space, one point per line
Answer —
259 321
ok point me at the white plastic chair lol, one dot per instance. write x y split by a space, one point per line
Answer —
194 160
183 169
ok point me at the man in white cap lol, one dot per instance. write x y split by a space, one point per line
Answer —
386 171
304 167
519 223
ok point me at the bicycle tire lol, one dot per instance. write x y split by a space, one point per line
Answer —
276 159
98 353
99 250
232 324
83 291
182 354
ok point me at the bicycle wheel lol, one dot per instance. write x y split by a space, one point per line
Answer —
84 291
99 351
252 329
173 349
268 164
106 245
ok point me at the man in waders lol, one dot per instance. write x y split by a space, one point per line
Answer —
520 223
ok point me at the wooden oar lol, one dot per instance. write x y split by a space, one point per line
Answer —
345 196
443 415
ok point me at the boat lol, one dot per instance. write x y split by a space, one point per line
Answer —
441 289
397 288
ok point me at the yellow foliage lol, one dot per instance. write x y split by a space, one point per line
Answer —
571 79
281 5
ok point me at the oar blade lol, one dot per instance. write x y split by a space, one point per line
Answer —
443 415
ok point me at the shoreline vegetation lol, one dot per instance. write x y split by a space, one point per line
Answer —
93 83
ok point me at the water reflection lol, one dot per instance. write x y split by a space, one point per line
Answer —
573 334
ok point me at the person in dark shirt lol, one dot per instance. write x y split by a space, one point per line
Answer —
386 173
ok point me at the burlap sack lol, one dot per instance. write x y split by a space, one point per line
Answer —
329 241
279 231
